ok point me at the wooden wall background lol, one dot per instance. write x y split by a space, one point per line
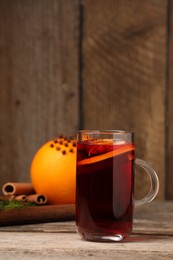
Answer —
39 79
72 64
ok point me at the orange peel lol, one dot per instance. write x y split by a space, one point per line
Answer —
124 149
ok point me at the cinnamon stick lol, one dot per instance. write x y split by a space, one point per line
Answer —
37 214
39 199
7 198
22 198
15 188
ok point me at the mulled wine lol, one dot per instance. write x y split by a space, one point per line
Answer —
104 189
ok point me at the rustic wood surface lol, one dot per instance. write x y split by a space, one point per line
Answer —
152 238
38 79
124 53
169 108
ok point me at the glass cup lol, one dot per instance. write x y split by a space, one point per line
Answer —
105 184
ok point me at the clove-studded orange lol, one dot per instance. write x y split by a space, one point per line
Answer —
53 171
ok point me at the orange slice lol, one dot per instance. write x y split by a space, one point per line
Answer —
98 158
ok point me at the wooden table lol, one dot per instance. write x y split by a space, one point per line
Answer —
152 238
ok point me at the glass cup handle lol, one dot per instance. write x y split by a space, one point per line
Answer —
154 183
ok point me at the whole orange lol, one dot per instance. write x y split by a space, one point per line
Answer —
53 171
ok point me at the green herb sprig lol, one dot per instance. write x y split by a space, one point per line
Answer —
15 204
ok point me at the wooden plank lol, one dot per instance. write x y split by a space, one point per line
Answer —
169 107
154 218
124 57
38 79
70 246
152 238
37 214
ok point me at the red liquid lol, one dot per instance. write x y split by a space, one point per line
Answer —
104 205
